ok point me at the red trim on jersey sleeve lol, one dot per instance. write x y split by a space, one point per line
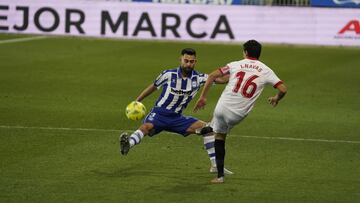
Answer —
224 70
278 83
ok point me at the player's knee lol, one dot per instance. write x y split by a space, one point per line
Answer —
147 128
220 136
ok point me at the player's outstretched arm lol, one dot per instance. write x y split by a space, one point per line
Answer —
201 102
146 92
222 80
281 93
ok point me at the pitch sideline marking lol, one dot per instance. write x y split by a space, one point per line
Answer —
301 139
24 39
243 136
65 129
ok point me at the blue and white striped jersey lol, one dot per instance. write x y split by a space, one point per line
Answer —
177 92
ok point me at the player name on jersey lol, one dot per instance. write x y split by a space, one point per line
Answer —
251 66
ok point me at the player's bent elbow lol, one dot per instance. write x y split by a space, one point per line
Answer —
212 78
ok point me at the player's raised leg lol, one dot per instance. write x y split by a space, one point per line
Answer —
126 142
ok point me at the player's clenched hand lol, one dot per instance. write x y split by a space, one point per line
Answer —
200 104
273 101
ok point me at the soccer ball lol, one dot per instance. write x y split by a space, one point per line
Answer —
135 111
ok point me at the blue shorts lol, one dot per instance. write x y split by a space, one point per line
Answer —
168 121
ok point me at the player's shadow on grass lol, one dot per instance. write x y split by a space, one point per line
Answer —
183 186
133 170
177 175
175 181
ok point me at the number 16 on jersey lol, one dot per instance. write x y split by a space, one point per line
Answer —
248 88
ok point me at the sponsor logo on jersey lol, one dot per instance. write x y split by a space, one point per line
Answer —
180 92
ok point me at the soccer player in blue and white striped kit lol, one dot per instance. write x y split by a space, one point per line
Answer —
179 87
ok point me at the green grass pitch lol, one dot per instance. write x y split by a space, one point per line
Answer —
62 103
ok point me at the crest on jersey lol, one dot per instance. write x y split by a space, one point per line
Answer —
194 84
151 116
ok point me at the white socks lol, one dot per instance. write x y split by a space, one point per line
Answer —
136 137
209 141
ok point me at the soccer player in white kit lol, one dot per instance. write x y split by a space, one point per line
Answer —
247 80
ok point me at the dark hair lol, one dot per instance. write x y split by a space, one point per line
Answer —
253 48
188 51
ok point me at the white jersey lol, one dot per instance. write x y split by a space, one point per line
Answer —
247 80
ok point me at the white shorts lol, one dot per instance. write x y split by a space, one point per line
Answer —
224 120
